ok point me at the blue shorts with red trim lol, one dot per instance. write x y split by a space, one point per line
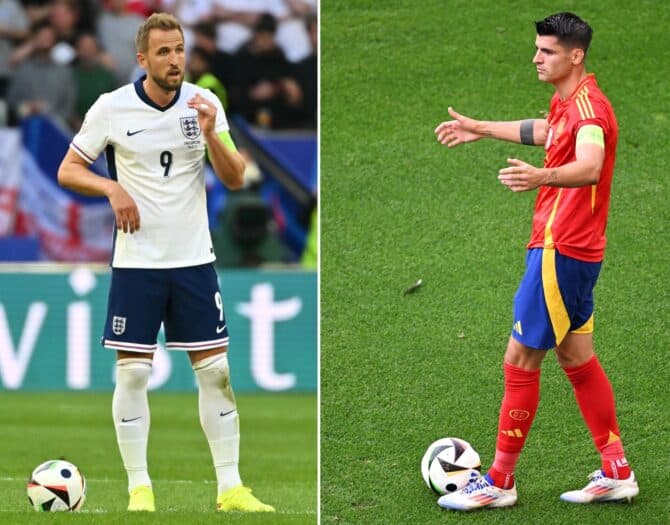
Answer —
555 297
187 301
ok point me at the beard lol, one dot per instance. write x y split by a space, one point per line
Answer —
167 83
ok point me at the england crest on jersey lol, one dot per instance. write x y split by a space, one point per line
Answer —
118 325
189 127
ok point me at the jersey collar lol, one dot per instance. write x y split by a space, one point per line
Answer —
139 89
588 78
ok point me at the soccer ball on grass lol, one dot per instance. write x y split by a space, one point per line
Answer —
449 464
56 485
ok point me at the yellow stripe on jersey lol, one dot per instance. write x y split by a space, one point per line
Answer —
558 314
587 102
593 197
548 238
591 134
584 104
580 107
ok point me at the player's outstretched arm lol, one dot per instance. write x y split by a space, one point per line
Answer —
228 164
74 174
458 131
464 129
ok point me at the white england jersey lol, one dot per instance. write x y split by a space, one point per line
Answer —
157 155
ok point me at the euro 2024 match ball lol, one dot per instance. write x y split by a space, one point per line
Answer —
449 464
56 485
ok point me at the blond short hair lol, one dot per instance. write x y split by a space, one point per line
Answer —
163 21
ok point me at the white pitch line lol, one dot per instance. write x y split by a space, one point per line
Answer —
89 480
172 509
175 509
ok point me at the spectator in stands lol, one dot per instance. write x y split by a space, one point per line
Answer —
270 96
93 73
237 19
65 18
37 11
117 29
292 34
199 73
143 8
221 64
306 73
41 85
14 28
68 19
190 13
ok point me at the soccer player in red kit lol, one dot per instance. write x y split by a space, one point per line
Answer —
553 307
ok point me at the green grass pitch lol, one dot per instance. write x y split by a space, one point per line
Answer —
399 371
278 455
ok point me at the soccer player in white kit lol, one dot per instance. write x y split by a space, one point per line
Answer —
155 134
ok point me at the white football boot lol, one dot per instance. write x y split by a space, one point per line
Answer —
601 488
479 494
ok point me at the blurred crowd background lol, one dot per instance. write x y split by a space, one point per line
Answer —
258 56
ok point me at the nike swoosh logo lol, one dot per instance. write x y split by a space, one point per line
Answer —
123 420
131 133
219 330
226 413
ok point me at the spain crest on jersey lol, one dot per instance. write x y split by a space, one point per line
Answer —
189 127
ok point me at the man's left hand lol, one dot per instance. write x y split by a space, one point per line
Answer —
206 113
520 176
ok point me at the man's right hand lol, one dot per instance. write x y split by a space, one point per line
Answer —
458 131
73 173
125 210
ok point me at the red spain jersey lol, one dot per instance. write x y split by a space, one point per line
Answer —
573 220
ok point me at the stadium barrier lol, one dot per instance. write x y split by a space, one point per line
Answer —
51 320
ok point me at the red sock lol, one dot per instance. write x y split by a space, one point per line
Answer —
502 470
519 404
596 401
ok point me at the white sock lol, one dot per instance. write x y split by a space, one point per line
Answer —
130 409
218 417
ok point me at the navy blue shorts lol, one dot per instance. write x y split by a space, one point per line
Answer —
186 300
555 297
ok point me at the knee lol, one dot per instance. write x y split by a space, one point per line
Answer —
575 350
133 373
571 360
522 356
565 360
213 371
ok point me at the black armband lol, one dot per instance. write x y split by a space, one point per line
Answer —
526 132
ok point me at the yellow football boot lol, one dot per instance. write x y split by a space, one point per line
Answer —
142 499
240 498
